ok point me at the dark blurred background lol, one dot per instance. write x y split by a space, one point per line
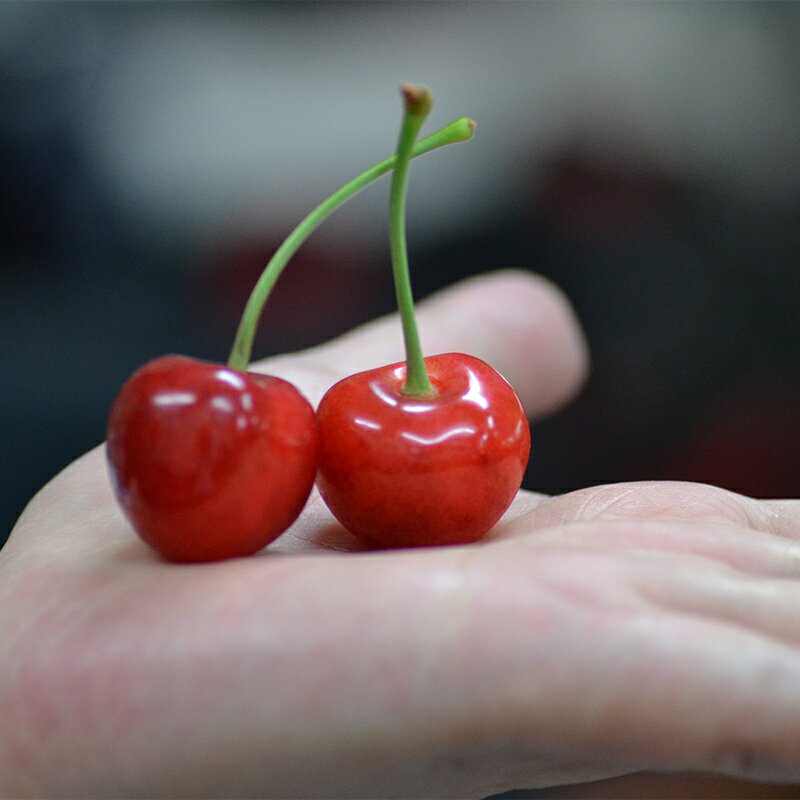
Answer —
644 156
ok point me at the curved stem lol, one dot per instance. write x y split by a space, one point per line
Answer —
417 101
458 131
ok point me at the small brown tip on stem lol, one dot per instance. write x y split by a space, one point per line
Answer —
418 99
472 124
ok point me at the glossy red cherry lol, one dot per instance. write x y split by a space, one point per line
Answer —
399 470
209 462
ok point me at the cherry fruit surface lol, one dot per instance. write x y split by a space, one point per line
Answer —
402 470
209 462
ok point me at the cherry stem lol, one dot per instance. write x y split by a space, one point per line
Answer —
417 103
458 131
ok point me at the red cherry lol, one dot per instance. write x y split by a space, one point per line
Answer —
209 462
400 470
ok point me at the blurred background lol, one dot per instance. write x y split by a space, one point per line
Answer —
644 156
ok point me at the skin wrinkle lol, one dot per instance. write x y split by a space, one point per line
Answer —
730 596
738 747
650 500
658 632
654 500
751 722
592 693
679 612
747 551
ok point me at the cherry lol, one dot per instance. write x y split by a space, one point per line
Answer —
209 462
427 452
403 470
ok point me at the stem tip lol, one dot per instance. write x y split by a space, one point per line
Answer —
418 99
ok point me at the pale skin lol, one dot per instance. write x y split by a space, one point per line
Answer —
650 626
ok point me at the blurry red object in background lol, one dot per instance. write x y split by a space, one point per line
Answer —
324 291
750 444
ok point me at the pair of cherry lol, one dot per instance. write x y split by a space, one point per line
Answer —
210 461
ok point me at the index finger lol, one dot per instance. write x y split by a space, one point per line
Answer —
516 321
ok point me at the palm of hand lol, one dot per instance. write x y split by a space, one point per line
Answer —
610 630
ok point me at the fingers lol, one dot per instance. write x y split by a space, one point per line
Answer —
655 660
516 321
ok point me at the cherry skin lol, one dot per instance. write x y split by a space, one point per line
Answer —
399 470
209 462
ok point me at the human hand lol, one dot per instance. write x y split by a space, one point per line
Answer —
610 630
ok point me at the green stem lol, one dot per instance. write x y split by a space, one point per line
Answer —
417 101
458 131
